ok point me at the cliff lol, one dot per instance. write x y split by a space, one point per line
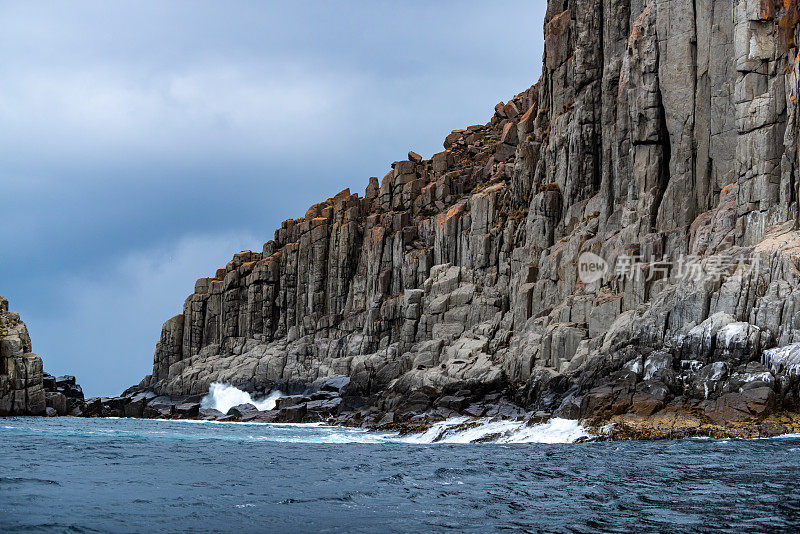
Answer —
620 239
25 389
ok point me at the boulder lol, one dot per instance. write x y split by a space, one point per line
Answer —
210 414
451 402
48 382
748 405
413 156
325 407
268 416
57 401
242 410
72 391
292 400
650 397
134 409
187 410
66 380
335 384
292 414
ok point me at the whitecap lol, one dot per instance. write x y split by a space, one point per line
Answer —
223 397
465 430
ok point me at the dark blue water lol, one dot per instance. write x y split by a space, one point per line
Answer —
78 475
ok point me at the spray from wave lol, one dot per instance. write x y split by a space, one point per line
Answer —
223 397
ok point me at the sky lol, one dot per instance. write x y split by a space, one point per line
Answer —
143 143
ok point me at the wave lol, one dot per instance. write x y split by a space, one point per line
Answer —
452 431
456 430
223 397
466 430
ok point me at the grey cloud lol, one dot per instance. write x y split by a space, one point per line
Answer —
128 126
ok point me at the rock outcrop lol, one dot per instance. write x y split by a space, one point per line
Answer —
619 240
25 389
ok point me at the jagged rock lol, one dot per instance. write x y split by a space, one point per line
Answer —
662 139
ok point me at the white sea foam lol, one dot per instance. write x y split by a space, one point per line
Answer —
223 397
465 430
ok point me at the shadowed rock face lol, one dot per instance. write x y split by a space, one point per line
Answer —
662 132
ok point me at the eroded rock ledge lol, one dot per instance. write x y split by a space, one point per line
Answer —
659 130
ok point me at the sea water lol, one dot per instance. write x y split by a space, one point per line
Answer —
125 475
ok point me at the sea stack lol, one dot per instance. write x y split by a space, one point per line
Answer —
618 242
21 388
24 387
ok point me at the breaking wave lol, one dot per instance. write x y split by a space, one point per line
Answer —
465 430
223 397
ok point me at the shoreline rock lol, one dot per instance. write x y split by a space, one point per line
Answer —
678 419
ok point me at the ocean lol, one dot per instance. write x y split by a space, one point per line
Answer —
125 475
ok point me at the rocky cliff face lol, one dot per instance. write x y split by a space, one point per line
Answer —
21 389
662 138
25 389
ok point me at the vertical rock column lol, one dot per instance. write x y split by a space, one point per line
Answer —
21 387
766 175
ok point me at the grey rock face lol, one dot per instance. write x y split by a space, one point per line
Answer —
661 130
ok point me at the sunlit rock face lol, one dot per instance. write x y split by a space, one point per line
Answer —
661 138
21 388
25 389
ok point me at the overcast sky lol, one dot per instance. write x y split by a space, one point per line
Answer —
145 142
